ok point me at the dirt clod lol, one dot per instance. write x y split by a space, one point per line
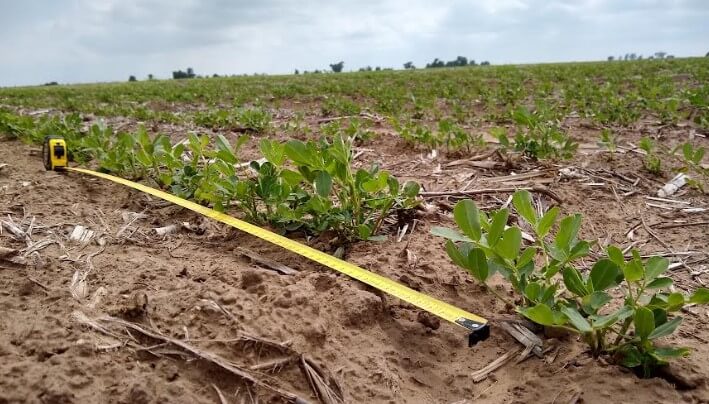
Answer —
428 320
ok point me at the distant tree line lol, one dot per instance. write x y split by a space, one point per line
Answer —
458 62
179 74
376 69
632 56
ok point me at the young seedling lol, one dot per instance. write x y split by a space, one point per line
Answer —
608 140
652 161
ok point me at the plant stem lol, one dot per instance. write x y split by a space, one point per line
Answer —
382 215
623 330
599 343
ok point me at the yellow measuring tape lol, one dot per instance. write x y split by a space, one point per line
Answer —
478 327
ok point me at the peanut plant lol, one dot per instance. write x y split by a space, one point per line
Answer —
652 161
311 186
620 308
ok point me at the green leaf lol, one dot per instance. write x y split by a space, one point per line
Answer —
526 257
700 296
540 314
675 301
573 282
365 232
499 220
273 151
548 294
522 201
669 353
577 319
631 357
477 264
449 234
455 255
665 329
604 274
300 153
227 156
411 189
594 301
579 250
602 322
546 222
557 253
377 183
323 183
292 178
644 322
659 314
687 151
568 230
508 247
341 150
655 266
659 283
633 271
467 217
240 141
532 291
616 255
223 143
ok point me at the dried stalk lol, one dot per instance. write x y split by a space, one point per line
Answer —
197 352
539 189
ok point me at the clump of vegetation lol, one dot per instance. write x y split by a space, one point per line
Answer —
692 157
553 292
449 136
608 140
652 161
539 137
256 120
334 106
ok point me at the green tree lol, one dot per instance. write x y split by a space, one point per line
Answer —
435 64
337 67
132 78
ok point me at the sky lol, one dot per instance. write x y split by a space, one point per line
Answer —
72 41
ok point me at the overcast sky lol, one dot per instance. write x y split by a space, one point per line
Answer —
108 40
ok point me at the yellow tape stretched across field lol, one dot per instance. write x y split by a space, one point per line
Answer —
477 325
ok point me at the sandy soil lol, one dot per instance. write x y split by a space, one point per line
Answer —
196 286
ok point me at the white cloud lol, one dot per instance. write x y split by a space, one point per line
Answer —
85 40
